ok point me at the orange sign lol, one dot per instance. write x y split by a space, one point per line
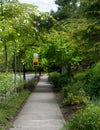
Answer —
35 60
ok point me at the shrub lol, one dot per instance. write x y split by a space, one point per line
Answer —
7 83
94 85
72 88
73 99
79 76
63 80
53 78
88 119
90 80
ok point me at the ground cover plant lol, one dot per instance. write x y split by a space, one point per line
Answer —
87 119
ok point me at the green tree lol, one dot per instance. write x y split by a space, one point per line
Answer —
91 11
66 9
17 31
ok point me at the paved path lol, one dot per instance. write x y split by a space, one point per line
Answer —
41 111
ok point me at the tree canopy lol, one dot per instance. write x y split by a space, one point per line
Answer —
68 37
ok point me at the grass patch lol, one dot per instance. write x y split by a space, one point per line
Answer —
9 111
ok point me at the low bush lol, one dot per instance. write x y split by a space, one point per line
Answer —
87 119
79 76
72 88
73 99
8 84
90 80
63 80
32 83
53 78
94 84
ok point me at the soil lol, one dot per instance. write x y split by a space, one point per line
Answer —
67 111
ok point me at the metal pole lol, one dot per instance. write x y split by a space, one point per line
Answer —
35 71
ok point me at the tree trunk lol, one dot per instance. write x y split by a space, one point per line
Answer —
24 75
6 59
15 67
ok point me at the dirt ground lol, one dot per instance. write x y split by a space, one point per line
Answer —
67 111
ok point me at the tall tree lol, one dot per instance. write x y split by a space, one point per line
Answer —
66 9
91 12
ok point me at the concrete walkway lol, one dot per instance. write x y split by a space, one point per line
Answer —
41 111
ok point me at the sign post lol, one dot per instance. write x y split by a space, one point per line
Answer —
35 62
